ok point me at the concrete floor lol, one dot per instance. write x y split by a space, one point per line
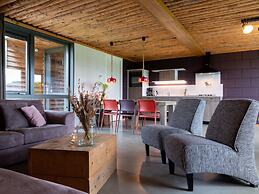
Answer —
138 174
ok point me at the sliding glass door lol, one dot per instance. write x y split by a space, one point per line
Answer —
51 73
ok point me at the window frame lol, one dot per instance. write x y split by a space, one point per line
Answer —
26 39
20 32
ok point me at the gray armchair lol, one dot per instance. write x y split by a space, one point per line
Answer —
187 118
227 149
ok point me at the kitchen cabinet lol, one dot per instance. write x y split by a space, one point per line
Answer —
135 93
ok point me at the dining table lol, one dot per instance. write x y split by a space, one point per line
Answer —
163 107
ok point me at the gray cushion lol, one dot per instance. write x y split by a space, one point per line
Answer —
194 152
151 134
10 139
166 132
16 183
13 117
226 120
183 114
37 134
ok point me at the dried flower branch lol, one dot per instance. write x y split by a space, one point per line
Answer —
84 106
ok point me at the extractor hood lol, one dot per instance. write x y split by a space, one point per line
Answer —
206 65
169 77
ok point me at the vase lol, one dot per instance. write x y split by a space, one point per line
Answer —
83 138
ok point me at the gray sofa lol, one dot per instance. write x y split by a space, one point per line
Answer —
16 136
16 183
187 118
227 149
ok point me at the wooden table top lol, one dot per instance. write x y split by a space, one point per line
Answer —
64 144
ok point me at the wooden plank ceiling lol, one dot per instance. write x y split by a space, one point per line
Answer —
214 25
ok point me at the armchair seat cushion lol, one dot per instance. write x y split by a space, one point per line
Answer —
46 132
196 154
151 134
10 139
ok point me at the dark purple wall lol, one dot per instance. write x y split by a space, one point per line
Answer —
239 72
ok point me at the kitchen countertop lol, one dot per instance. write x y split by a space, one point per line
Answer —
176 98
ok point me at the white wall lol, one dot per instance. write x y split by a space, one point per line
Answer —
92 65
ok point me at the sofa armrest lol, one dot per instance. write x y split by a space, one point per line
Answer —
60 117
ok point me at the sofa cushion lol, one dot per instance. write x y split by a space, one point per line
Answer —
38 104
37 134
14 183
33 116
13 116
10 139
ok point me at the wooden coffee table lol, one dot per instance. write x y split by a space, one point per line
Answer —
83 168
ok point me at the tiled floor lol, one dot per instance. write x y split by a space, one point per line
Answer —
138 174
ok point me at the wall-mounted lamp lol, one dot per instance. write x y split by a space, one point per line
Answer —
247 26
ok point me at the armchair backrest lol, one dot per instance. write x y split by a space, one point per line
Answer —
188 115
233 123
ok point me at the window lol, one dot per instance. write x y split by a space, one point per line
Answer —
50 67
16 65
38 67
57 104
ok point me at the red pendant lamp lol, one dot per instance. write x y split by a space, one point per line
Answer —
111 79
143 78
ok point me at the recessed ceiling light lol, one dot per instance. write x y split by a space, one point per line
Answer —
247 28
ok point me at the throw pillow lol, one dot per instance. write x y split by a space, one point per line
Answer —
33 116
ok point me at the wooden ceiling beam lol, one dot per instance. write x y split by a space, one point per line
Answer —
161 12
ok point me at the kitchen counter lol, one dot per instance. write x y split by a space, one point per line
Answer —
211 103
176 98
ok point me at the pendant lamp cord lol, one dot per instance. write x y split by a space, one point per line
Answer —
111 44
143 55
111 66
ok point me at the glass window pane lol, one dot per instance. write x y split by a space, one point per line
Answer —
50 67
16 65
57 104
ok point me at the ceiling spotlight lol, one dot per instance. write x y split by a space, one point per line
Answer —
247 28
247 24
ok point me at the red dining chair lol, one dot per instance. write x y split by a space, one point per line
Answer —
110 108
146 109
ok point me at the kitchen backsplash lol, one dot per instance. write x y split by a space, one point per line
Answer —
206 84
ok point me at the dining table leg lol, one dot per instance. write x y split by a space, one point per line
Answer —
163 114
